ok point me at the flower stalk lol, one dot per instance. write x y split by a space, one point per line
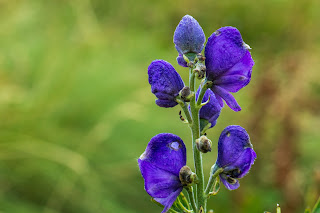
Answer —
191 198
226 68
195 129
215 171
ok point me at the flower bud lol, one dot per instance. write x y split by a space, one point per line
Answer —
186 94
201 57
186 176
189 36
200 70
204 144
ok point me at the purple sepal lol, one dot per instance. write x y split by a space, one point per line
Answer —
229 63
160 165
212 109
189 36
227 97
165 83
230 186
167 202
237 76
235 155
181 61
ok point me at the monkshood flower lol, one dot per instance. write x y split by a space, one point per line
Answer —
235 155
165 83
229 64
188 38
211 111
160 165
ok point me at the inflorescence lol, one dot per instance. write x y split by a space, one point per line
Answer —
225 68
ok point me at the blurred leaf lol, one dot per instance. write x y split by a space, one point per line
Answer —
308 210
316 208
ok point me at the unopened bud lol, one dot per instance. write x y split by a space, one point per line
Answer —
201 57
200 70
186 94
186 176
204 144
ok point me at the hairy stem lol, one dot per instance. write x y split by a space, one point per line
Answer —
195 129
181 206
191 198
203 90
184 107
215 171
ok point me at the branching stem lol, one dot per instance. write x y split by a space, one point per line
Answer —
215 171
191 198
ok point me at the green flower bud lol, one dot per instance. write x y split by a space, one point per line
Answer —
186 176
186 94
204 144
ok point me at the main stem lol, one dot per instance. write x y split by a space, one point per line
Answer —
195 129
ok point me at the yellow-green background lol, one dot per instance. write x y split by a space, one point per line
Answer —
76 109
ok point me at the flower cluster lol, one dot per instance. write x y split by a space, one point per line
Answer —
225 68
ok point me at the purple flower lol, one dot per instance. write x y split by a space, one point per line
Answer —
165 83
211 111
235 155
229 64
160 165
188 38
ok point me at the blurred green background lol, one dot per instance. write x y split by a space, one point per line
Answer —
76 109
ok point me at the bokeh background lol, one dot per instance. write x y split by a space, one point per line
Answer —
76 109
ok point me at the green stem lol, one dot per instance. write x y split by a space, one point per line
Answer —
191 198
172 211
184 107
215 171
181 206
195 129
184 200
203 91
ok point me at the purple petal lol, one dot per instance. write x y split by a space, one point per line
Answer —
167 151
165 82
166 103
167 202
238 76
220 100
189 36
160 164
181 61
224 49
232 144
225 95
243 163
212 109
229 185
158 182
